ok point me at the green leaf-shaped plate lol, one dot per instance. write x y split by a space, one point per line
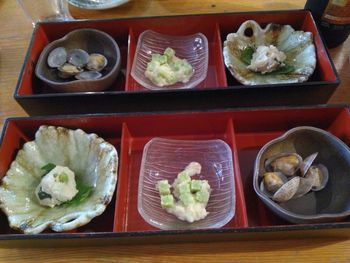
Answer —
297 45
94 162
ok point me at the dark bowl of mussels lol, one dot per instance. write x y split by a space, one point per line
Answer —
304 176
84 60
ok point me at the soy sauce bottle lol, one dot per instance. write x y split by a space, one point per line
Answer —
332 18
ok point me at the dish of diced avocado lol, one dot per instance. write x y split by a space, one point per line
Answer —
189 198
167 69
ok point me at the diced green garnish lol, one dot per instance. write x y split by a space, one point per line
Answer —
160 58
196 185
202 196
167 69
187 198
163 187
184 188
166 201
247 55
43 195
184 176
169 52
63 178
48 167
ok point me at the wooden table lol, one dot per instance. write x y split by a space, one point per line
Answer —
16 30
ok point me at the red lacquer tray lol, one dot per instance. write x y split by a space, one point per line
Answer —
245 131
218 90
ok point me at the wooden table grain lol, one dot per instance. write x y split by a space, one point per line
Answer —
15 34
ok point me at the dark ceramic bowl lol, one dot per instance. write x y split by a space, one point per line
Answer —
331 203
92 41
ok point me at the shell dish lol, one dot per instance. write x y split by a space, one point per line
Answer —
297 45
298 200
94 162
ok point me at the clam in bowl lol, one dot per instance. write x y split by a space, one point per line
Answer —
94 163
78 48
276 54
303 176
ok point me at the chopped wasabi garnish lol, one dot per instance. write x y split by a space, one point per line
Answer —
202 196
63 178
184 176
187 199
167 69
166 201
163 187
184 188
196 185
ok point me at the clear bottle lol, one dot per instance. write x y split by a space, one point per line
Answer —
332 18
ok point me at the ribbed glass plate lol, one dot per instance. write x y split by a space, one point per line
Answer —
164 159
193 48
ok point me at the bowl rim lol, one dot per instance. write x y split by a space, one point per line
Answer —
148 219
275 205
140 81
44 52
112 4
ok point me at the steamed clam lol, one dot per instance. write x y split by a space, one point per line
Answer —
288 176
96 62
88 75
69 70
78 57
273 181
77 63
57 57
287 191
319 176
287 163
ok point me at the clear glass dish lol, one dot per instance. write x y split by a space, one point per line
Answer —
165 158
193 48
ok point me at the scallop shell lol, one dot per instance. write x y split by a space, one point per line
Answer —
297 45
94 162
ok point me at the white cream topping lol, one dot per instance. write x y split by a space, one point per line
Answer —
266 59
56 187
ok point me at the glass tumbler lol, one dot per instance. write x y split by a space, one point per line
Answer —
46 10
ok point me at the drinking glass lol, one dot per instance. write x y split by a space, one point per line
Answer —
46 10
